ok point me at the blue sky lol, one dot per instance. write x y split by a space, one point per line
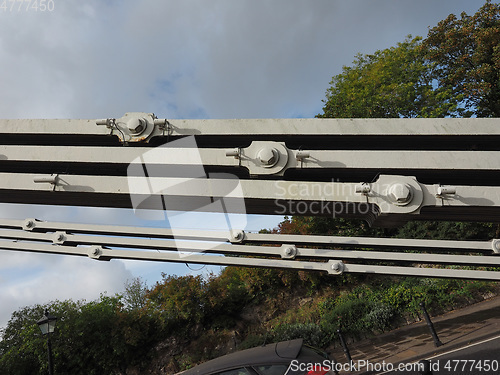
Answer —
178 59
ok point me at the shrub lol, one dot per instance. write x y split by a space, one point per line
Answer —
310 332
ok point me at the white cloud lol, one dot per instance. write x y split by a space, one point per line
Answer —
192 58
45 278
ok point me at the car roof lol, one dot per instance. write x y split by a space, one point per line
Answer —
281 352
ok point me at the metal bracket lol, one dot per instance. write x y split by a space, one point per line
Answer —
441 191
135 126
53 179
264 157
109 122
235 152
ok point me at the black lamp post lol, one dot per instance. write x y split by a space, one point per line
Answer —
47 325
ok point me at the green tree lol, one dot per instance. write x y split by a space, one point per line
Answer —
96 337
135 294
465 54
394 82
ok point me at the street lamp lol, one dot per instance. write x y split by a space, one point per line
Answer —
47 325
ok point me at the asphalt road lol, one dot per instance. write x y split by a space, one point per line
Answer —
482 358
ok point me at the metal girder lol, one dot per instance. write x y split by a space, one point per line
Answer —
239 236
227 127
249 157
388 198
386 171
239 248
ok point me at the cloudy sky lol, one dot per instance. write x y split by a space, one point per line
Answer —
178 59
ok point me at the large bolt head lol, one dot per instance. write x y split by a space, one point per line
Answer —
268 156
400 194
136 125
338 267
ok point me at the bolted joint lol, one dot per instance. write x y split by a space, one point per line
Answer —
400 194
237 236
95 252
136 126
268 157
288 251
59 238
337 267
29 224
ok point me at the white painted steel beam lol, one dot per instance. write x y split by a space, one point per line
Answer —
240 249
87 162
32 225
288 191
162 244
225 127
332 266
390 159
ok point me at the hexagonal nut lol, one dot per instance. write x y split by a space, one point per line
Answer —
288 251
136 125
58 238
29 224
268 156
237 236
400 193
337 267
95 252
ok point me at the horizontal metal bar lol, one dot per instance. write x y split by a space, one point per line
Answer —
372 242
479 196
238 249
268 238
423 272
49 226
418 126
332 266
458 160
117 155
178 257
51 126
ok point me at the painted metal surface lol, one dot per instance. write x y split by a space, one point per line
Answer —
111 242
385 171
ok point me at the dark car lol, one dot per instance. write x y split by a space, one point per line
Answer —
286 357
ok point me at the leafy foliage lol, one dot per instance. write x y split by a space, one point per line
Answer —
91 338
466 56
395 82
455 71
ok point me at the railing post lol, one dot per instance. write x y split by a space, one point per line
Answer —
437 342
344 346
